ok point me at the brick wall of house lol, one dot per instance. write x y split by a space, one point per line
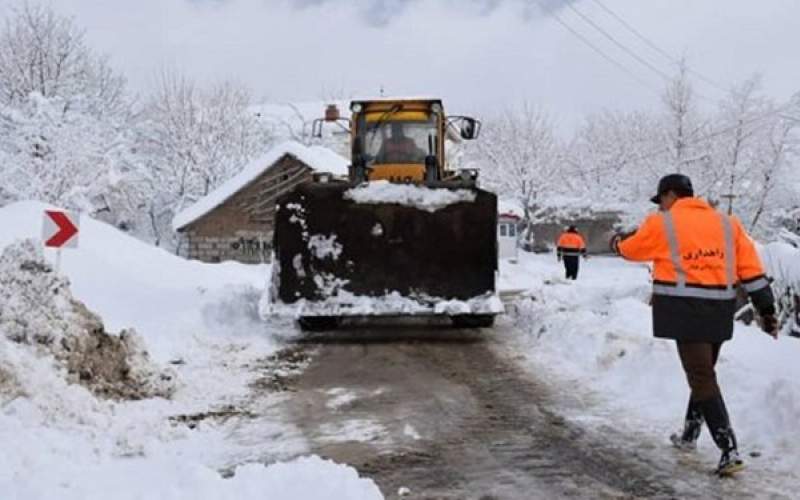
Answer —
241 228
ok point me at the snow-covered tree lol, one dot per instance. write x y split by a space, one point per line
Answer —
684 125
741 116
64 114
44 53
69 158
750 156
191 140
779 192
611 156
521 157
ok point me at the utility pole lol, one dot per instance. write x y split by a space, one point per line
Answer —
729 197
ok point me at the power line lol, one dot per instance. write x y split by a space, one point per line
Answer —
616 42
655 47
629 51
596 49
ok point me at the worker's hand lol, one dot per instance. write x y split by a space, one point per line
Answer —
769 324
614 243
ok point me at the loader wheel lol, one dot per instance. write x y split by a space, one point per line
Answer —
318 323
473 320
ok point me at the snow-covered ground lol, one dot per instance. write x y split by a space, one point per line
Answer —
199 321
594 335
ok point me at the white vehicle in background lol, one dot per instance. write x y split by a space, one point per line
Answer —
508 236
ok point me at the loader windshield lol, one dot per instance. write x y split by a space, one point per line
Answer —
395 141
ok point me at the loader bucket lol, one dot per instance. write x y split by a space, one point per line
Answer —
338 256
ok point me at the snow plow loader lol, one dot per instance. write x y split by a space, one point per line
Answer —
402 235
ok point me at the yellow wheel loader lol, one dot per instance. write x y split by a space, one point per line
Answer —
403 235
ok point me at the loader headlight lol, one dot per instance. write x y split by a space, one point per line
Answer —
356 107
436 107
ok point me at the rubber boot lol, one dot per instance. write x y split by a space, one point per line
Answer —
692 426
716 416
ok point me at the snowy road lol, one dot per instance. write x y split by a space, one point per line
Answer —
449 414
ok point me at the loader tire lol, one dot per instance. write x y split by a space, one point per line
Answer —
473 320
318 323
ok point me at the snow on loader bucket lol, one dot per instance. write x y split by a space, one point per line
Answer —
384 249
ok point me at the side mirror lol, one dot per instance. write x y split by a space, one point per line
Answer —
470 128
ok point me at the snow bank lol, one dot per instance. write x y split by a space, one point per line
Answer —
37 311
782 262
133 285
421 197
307 478
596 333
62 441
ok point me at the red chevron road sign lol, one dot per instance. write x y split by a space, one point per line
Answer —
60 229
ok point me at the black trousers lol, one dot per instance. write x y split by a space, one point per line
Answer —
571 265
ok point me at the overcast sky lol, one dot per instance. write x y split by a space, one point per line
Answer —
477 54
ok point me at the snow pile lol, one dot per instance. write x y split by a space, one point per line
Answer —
131 284
421 197
789 237
782 263
307 478
37 310
68 443
596 333
343 303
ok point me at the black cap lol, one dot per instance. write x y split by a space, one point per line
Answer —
679 183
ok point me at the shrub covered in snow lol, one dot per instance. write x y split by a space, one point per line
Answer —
782 262
38 312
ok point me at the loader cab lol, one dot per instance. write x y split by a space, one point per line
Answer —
402 140
399 142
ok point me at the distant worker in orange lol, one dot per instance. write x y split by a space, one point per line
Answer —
570 248
700 257
399 148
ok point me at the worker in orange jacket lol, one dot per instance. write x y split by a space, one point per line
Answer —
700 257
570 247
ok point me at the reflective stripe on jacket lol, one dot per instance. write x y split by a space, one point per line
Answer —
571 244
699 257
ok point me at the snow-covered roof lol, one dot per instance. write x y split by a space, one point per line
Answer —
318 158
509 207
326 160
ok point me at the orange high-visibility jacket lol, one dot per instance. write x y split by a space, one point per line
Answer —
696 252
571 244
